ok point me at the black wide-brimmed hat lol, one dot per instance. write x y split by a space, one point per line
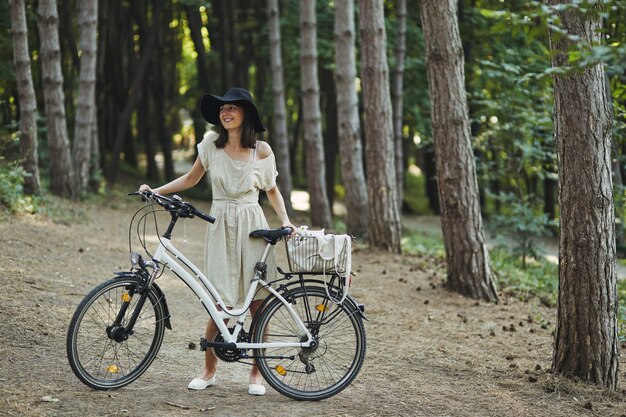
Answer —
210 106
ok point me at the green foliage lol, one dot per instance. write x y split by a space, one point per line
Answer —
12 194
415 193
523 225
414 242
536 279
511 118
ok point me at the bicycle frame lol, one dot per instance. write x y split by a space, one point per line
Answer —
168 255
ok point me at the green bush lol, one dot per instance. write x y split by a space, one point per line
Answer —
538 278
423 244
523 225
12 190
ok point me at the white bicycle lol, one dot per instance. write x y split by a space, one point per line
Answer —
307 345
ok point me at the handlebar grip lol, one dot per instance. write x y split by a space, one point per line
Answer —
205 217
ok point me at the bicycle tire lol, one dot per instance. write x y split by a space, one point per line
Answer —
336 361
99 361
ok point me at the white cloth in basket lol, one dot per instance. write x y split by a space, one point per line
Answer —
330 247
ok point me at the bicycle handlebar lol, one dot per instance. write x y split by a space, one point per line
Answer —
175 205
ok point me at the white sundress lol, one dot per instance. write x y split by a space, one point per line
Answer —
231 254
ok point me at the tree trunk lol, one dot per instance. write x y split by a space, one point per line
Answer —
398 86
221 43
311 116
430 178
86 107
159 93
279 118
586 334
26 96
133 99
195 31
233 36
331 148
62 180
549 197
349 127
467 258
384 212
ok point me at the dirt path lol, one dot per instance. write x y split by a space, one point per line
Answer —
430 352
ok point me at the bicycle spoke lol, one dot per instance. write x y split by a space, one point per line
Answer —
320 371
102 362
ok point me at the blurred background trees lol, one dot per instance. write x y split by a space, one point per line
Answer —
156 59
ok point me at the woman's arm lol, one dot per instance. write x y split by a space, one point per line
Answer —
181 183
278 204
274 195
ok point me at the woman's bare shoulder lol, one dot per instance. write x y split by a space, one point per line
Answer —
263 149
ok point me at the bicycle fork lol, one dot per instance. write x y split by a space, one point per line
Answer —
117 331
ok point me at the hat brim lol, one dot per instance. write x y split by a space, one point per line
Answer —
210 109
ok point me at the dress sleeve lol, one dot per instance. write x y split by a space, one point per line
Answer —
268 173
205 147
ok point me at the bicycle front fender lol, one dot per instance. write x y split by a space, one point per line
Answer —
155 288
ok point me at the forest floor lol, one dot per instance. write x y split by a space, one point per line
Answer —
430 352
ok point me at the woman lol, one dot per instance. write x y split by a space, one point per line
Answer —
239 166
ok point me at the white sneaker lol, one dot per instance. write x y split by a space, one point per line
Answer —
256 389
199 383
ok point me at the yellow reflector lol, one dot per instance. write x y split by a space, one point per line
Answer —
126 297
281 371
320 307
112 369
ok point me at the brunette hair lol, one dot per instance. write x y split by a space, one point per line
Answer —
248 134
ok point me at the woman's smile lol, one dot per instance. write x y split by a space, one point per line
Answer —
231 116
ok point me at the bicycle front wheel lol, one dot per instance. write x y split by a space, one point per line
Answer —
99 357
311 373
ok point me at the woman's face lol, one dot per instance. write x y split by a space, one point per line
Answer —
231 116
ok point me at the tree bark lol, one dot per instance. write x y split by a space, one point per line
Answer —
311 116
62 180
279 118
26 96
349 126
86 107
586 333
467 257
398 86
384 212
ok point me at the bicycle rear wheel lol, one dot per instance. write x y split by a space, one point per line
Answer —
311 373
95 356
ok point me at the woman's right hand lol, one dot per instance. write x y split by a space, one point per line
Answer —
145 187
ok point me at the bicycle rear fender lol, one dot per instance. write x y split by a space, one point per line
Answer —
287 287
157 289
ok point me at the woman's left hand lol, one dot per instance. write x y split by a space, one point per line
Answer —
291 226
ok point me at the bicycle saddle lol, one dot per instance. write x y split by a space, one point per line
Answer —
271 235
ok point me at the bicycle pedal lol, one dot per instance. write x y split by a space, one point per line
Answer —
204 344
